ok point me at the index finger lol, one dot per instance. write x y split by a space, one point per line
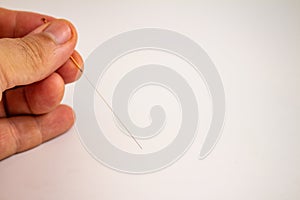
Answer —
19 23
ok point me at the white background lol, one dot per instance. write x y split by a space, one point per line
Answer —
256 48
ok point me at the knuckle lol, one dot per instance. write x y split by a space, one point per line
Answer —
34 54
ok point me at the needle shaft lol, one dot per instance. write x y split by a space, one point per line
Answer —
101 96
106 103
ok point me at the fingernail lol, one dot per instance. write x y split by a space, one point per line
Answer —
59 31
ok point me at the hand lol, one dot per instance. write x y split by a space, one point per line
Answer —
34 68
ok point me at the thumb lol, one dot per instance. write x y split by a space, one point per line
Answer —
37 55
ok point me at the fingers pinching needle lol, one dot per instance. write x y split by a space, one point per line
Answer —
102 97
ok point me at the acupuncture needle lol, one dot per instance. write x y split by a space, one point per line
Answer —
101 97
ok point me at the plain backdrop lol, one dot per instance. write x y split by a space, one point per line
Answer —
255 46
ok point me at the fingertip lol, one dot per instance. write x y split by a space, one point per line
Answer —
70 72
68 113
67 116
57 122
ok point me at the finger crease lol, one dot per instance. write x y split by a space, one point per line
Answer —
27 100
13 132
39 128
4 100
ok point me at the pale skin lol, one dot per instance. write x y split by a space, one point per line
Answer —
34 68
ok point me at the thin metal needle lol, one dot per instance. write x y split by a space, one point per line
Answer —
106 103
101 96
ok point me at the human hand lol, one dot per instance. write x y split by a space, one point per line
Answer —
34 69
